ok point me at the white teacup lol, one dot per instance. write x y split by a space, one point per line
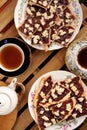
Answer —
81 58
11 57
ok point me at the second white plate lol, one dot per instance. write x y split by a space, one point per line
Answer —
56 76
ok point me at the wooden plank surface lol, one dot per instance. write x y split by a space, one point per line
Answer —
2 2
11 32
8 14
41 63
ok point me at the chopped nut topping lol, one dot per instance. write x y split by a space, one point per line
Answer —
54 36
76 92
56 113
32 8
37 25
26 25
68 107
67 85
78 107
25 30
62 112
41 3
73 88
42 21
41 112
29 11
34 1
53 121
44 100
67 15
71 85
68 80
55 1
57 87
46 108
45 118
54 95
63 42
38 14
46 83
59 104
62 32
35 39
45 33
67 40
46 124
40 29
74 115
60 90
42 94
50 100
45 15
81 99
52 9
45 3
71 30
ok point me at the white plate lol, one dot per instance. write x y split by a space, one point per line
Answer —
19 16
56 76
71 56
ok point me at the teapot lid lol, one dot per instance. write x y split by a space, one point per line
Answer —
8 100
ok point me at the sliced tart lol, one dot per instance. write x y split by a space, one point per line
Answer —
57 93
63 110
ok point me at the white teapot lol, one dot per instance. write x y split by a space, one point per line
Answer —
9 97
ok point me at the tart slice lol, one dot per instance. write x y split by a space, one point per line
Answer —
60 5
44 117
44 87
47 18
64 35
76 86
29 27
63 110
31 10
42 3
80 108
56 94
54 31
67 16
41 37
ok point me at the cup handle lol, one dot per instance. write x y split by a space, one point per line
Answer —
20 90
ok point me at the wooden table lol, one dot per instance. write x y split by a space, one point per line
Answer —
41 63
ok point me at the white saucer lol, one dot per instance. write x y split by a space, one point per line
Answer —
27 55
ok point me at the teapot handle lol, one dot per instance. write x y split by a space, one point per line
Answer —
20 90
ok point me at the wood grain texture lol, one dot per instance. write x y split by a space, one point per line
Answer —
2 2
84 9
7 14
23 120
41 63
